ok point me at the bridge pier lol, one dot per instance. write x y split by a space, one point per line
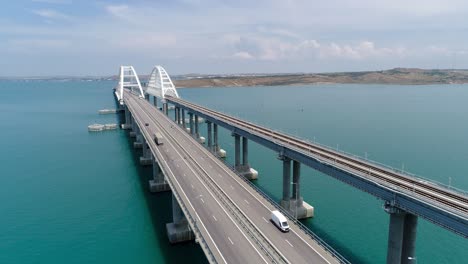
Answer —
145 160
165 108
155 101
244 169
179 230
128 119
401 235
208 126
191 124
183 119
158 183
219 152
176 120
197 133
294 203
139 138
132 133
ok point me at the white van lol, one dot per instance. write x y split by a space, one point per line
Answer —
280 221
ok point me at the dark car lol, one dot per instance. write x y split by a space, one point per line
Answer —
146 124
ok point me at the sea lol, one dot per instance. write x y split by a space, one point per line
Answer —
71 196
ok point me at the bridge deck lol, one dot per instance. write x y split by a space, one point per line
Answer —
231 216
441 205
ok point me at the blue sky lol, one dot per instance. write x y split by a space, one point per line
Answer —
71 37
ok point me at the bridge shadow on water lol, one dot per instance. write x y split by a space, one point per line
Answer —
160 210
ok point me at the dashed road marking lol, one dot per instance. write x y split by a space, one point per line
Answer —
289 243
230 240
215 218
246 201
265 219
184 175
232 187
202 200
192 186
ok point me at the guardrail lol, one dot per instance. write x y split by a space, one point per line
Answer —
363 159
192 222
319 241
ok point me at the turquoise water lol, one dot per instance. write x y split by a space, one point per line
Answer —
67 195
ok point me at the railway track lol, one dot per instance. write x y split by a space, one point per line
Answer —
428 190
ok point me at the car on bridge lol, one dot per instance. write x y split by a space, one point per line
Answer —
280 221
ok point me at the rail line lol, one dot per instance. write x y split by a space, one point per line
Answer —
427 190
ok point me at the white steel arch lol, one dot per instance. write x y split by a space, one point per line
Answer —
160 84
128 79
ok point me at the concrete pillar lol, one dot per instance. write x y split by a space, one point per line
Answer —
296 193
286 179
245 152
175 115
191 124
183 118
179 115
146 159
128 119
155 101
139 138
196 127
165 108
237 149
158 183
208 125
215 137
408 252
395 235
179 230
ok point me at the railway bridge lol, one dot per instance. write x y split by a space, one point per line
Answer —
215 203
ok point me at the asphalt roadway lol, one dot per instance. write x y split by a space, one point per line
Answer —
215 194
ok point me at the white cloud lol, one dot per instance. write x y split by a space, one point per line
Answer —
242 55
51 14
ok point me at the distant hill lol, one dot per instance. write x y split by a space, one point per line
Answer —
393 76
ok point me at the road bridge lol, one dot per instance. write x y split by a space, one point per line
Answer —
405 197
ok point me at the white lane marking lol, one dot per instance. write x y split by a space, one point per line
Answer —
177 153
192 186
202 200
177 165
230 240
232 187
184 175
200 221
220 175
265 219
289 243
246 201
215 218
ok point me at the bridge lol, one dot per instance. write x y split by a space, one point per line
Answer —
216 204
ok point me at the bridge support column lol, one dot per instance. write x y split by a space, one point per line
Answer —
179 230
155 101
158 183
145 160
133 125
191 124
139 138
286 181
183 120
208 126
401 235
294 203
219 152
197 133
244 169
128 119
176 120
165 108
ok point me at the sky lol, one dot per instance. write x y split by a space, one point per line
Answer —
72 37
